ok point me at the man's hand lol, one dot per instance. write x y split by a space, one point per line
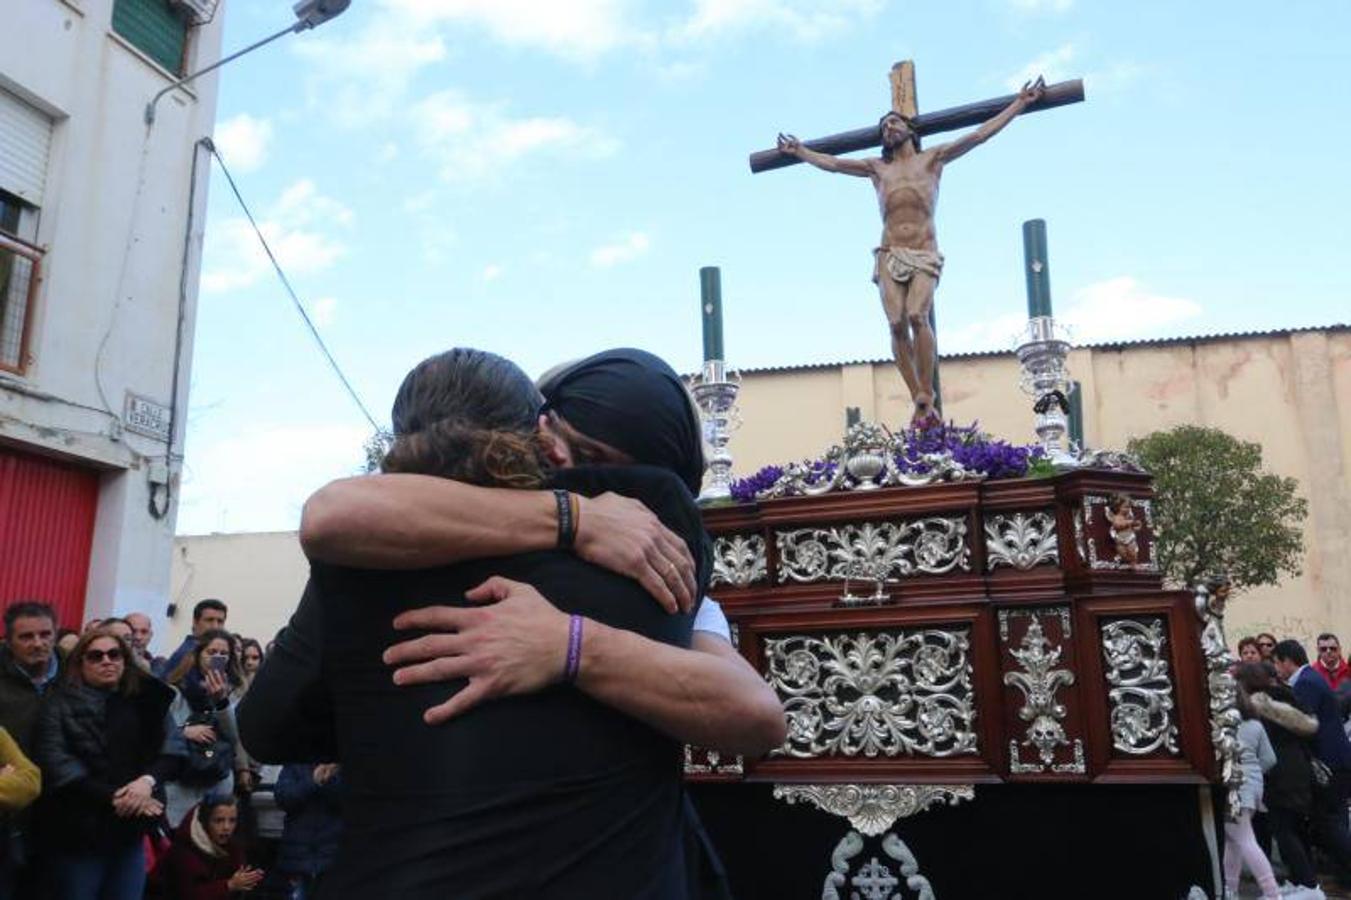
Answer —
1032 91
516 644
789 144
200 734
624 536
324 773
246 878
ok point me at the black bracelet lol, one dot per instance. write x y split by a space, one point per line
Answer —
566 527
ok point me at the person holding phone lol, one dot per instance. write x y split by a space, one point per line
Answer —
203 713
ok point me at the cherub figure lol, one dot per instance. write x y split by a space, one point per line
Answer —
1124 527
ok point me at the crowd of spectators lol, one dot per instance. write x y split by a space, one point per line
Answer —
1295 752
122 776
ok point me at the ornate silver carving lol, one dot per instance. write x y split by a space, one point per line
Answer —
1039 681
699 761
738 560
866 461
1142 694
1060 612
1211 597
874 694
1112 460
878 551
1021 540
874 879
1090 547
1042 355
873 808
1076 766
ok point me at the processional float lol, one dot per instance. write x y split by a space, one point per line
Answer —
989 692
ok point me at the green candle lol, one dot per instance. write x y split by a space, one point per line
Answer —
710 305
1037 268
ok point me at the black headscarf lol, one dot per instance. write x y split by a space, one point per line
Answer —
634 402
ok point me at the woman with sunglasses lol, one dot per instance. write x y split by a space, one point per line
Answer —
102 746
206 682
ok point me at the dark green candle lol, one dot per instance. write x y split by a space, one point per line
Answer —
1037 268
710 305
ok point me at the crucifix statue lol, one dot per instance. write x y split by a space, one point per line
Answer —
907 263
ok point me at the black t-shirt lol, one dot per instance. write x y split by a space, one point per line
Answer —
549 795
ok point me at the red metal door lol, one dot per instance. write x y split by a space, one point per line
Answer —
47 513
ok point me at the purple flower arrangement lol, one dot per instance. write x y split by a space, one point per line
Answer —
966 445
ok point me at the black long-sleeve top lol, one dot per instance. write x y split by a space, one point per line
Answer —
550 795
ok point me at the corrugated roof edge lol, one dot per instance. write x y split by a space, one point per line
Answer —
1105 345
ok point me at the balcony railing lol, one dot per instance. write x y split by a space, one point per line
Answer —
20 275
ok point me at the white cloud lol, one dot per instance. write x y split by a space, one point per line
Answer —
578 29
321 313
624 250
492 272
296 228
1041 6
259 478
388 152
365 78
243 141
804 20
1117 309
472 140
1053 66
1122 309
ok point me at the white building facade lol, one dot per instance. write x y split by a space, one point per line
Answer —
101 220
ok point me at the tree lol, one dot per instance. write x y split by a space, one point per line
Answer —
1216 510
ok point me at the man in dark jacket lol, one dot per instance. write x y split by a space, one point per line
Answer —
1331 747
311 795
28 664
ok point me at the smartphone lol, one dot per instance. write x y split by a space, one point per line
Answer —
219 663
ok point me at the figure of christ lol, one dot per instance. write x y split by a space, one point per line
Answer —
907 264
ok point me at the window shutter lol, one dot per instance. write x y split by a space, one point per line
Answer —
25 139
155 28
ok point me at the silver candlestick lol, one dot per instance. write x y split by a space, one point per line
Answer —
715 391
1045 376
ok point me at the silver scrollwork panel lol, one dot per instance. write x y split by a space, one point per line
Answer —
739 560
883 551
1021 540
1140 687
875 694
1040 679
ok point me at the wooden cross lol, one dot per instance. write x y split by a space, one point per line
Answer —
903 101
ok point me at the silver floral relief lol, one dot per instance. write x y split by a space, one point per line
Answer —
881 551
699 761
1021 540
1089 547
874 879
873 808
739 560
1141 692
1040 680
1211 597
874 694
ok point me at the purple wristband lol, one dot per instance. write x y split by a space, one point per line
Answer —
574 661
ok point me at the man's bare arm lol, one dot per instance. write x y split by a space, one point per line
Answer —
1031 93
416 521
707 695
842 164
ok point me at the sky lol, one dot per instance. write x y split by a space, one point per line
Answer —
546 179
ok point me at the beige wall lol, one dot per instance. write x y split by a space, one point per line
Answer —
1290 392
259 576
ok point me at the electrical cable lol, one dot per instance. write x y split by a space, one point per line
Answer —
281 275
